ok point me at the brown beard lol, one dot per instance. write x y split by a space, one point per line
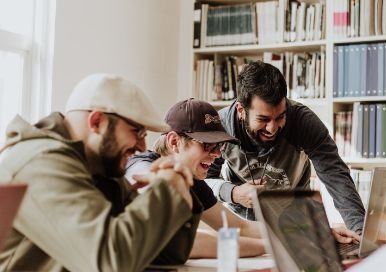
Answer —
109 154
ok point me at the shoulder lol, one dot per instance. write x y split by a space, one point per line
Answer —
204 193
300 118
147 156
303 127
228 117
139 164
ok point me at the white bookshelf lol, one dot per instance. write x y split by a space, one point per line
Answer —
324 107
250 49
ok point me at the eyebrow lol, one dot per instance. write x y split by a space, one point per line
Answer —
264 116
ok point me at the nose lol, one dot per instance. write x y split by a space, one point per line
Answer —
271 127
140 145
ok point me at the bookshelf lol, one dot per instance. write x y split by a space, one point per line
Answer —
334 31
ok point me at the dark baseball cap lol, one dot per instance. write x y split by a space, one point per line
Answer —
198 120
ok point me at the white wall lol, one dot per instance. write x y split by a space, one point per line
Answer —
140 39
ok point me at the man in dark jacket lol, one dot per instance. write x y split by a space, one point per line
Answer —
278 139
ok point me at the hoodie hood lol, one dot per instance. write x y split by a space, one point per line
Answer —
51 126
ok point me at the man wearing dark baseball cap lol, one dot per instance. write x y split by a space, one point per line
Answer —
196 139
198 120
79 213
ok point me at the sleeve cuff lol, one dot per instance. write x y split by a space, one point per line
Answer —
226 192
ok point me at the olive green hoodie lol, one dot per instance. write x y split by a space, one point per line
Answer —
66 223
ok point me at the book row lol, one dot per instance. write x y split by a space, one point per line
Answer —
219 25
304 73
358 18
359 70
362 182
361 133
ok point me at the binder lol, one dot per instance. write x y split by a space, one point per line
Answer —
346 76
355 76
372 67
359 138
341 71
363 69
366 131
197 25
380 136
354 130
372 130
381 71
336 72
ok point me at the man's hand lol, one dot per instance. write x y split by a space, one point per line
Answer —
242 194
345 236
178 176
170 163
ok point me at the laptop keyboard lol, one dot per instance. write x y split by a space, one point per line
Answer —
348 249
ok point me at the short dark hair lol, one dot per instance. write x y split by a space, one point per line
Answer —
263 80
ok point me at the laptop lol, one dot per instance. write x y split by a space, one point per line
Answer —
11 196
374 213
373 219
299 235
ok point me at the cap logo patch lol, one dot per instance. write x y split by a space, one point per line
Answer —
210 118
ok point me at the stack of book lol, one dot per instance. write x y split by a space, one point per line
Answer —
359 70
224 25
304 73
362 181
360 133
354 18
267 22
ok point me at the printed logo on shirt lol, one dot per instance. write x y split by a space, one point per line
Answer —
276 178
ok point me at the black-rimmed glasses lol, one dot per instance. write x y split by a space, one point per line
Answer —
139 130
211 147
208 147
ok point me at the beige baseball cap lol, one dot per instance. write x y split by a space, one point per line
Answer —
115 94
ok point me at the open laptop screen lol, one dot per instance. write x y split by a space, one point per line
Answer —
296 224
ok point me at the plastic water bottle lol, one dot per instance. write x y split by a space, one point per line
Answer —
227 247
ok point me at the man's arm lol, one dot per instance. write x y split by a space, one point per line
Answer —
74 217
334 173
205 245
249 245
178 249
314 137
221 188
213 218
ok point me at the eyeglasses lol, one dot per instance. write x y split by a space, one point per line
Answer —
208 147
211 147
139 130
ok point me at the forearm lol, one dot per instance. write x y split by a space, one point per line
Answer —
205 246
333 172
251 247
221 189
250 229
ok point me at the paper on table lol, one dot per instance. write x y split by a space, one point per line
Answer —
375 262
244 264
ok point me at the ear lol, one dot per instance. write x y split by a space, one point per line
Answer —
240 111
97 121
172 139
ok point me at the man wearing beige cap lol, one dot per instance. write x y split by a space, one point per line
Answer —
79 214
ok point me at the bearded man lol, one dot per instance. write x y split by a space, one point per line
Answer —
279 140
